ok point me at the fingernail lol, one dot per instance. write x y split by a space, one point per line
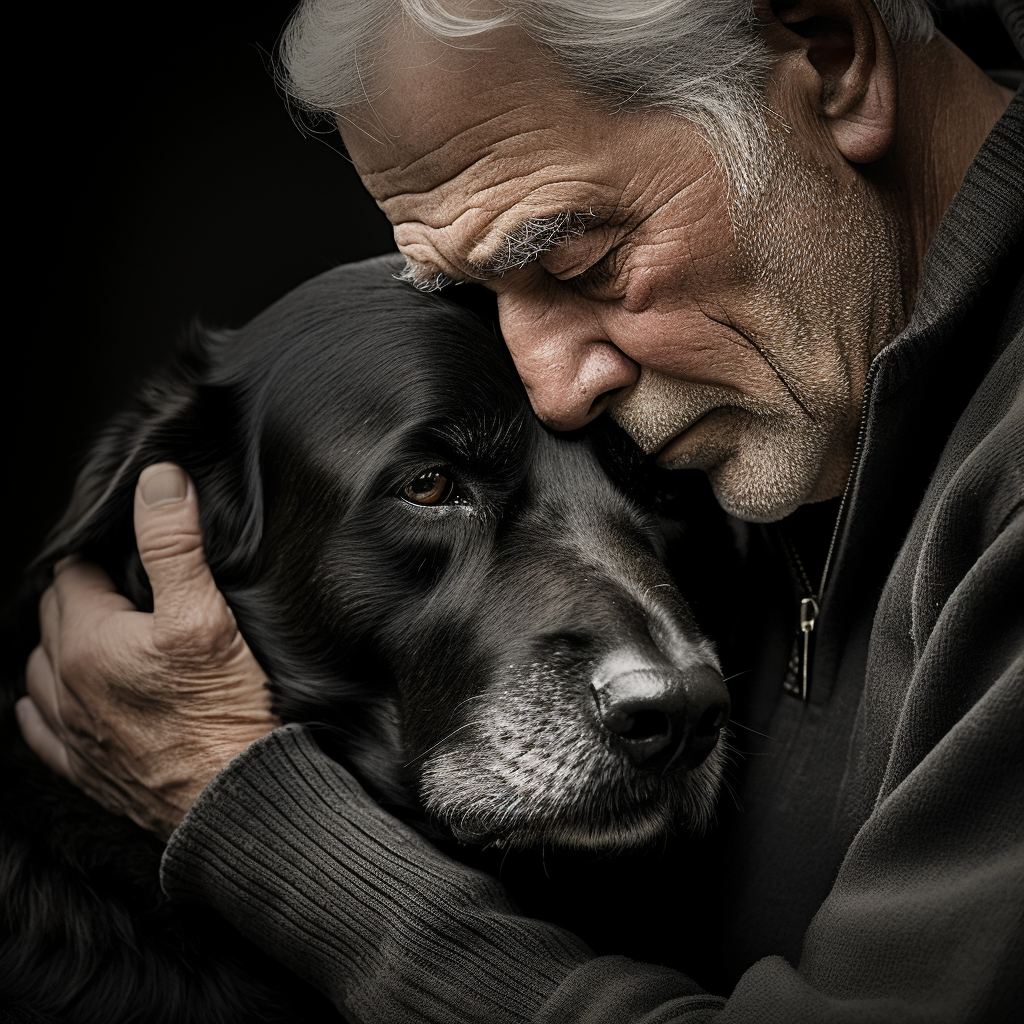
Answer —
162 484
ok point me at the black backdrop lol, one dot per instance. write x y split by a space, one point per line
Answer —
159 177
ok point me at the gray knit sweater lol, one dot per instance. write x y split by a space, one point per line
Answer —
887 817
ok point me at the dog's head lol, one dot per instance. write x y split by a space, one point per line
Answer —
468 598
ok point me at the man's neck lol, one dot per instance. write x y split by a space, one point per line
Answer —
947 106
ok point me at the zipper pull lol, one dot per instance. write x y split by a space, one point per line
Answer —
808 617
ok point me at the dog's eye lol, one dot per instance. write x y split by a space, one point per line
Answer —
433 487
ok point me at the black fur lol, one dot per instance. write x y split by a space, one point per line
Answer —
377 619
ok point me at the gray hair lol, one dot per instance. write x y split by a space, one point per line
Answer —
702 59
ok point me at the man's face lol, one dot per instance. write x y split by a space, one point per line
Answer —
727 335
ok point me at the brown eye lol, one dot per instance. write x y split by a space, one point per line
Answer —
429 488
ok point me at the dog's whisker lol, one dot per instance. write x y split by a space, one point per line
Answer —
465 725
475 696
736 675
747 728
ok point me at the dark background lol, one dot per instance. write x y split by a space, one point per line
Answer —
157 175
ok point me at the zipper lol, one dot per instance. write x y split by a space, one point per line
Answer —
795 681
808 617
810 602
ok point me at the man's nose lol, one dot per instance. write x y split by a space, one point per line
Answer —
570 368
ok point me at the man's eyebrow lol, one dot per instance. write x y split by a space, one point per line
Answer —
530 239
526 242
422 278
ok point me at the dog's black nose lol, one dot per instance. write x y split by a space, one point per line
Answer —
662 716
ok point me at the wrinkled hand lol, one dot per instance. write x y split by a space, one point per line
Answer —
138 710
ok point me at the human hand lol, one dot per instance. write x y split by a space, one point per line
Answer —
142 710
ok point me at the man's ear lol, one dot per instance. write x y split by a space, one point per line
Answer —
850 64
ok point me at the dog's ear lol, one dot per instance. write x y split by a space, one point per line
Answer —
185 415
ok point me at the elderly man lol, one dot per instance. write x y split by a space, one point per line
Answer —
778 242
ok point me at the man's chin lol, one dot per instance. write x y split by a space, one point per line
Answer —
760 490
752 508
759 479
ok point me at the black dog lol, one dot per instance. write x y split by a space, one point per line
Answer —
477 612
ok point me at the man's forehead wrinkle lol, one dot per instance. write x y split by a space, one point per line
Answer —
419 171
493 192
422 109
494 185
465 110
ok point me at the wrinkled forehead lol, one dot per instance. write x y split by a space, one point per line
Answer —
434 99
472 140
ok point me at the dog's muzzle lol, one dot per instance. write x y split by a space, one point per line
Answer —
661 716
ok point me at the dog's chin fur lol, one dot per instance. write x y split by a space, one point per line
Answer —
533 768
614 813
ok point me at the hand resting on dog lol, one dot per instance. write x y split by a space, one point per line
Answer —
142 710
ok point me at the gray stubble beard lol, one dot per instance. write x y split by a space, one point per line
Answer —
825 308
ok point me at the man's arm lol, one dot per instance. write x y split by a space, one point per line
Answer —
288 847
923 924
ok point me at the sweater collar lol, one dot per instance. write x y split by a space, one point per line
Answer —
979 232
920 384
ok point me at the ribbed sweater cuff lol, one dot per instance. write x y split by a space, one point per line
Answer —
289 848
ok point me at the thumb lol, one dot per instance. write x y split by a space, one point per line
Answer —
170 543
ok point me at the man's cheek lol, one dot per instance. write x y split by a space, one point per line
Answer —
693 346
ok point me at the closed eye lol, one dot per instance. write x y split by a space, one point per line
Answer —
597 276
